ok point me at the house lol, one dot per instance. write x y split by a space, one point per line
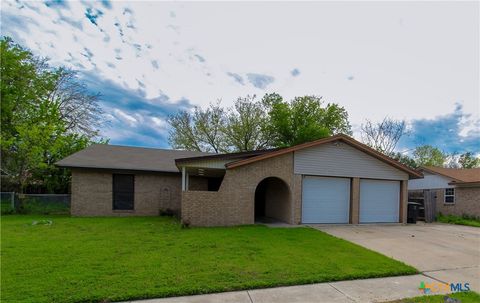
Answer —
331 180
455 191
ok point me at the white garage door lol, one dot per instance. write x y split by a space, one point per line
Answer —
379 201
325 200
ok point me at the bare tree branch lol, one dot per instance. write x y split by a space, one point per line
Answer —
79 108
200 130
383 136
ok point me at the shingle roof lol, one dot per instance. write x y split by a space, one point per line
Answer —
127 157
457 174
163 160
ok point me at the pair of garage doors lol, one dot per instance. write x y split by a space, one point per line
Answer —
327 200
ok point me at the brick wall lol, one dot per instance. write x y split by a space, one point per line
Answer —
154 192
354 201
208 208
467 201
297 199
234 203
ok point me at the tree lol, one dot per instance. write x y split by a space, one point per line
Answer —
38 124
404 159
201 130
257 124
25 82
428 155
246 126
79 109
303 119
468 160
383 136
451 160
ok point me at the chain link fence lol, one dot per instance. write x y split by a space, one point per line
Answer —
48 204
7 200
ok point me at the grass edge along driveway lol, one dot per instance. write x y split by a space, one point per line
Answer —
65 259
459 220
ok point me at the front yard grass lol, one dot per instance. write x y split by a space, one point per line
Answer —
465 220
64 259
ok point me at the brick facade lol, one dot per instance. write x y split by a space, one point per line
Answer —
355 201
154 192
467 202
297 199
234 203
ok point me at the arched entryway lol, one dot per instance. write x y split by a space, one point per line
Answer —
272 201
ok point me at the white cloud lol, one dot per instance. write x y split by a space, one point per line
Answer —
124 117
405 60
162 124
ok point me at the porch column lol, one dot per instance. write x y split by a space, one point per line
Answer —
355 201
184 183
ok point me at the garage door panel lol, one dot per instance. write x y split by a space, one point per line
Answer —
325 200
379 201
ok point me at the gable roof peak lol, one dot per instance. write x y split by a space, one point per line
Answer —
339 137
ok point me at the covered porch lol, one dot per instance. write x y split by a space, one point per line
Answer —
201 178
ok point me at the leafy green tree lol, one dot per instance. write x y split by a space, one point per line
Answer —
468 160
303 119
428 155
246 126
257 124
25 83
44 116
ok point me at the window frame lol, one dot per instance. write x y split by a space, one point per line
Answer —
452 195
114 192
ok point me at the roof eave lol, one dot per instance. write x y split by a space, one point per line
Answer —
438 173
460 183
70 166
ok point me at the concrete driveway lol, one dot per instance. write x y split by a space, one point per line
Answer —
444 252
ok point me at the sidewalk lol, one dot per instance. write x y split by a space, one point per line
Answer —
368 290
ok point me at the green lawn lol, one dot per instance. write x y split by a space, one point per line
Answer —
470 221
95 259
464 297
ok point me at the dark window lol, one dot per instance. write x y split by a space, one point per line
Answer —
449 195
123 192
214 183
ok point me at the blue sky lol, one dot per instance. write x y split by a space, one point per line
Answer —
412 61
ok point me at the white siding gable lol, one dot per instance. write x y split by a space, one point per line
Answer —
430 181
342 160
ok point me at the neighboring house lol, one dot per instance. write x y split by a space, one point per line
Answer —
331 180
456 190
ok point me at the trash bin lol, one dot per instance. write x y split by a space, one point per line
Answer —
412 213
